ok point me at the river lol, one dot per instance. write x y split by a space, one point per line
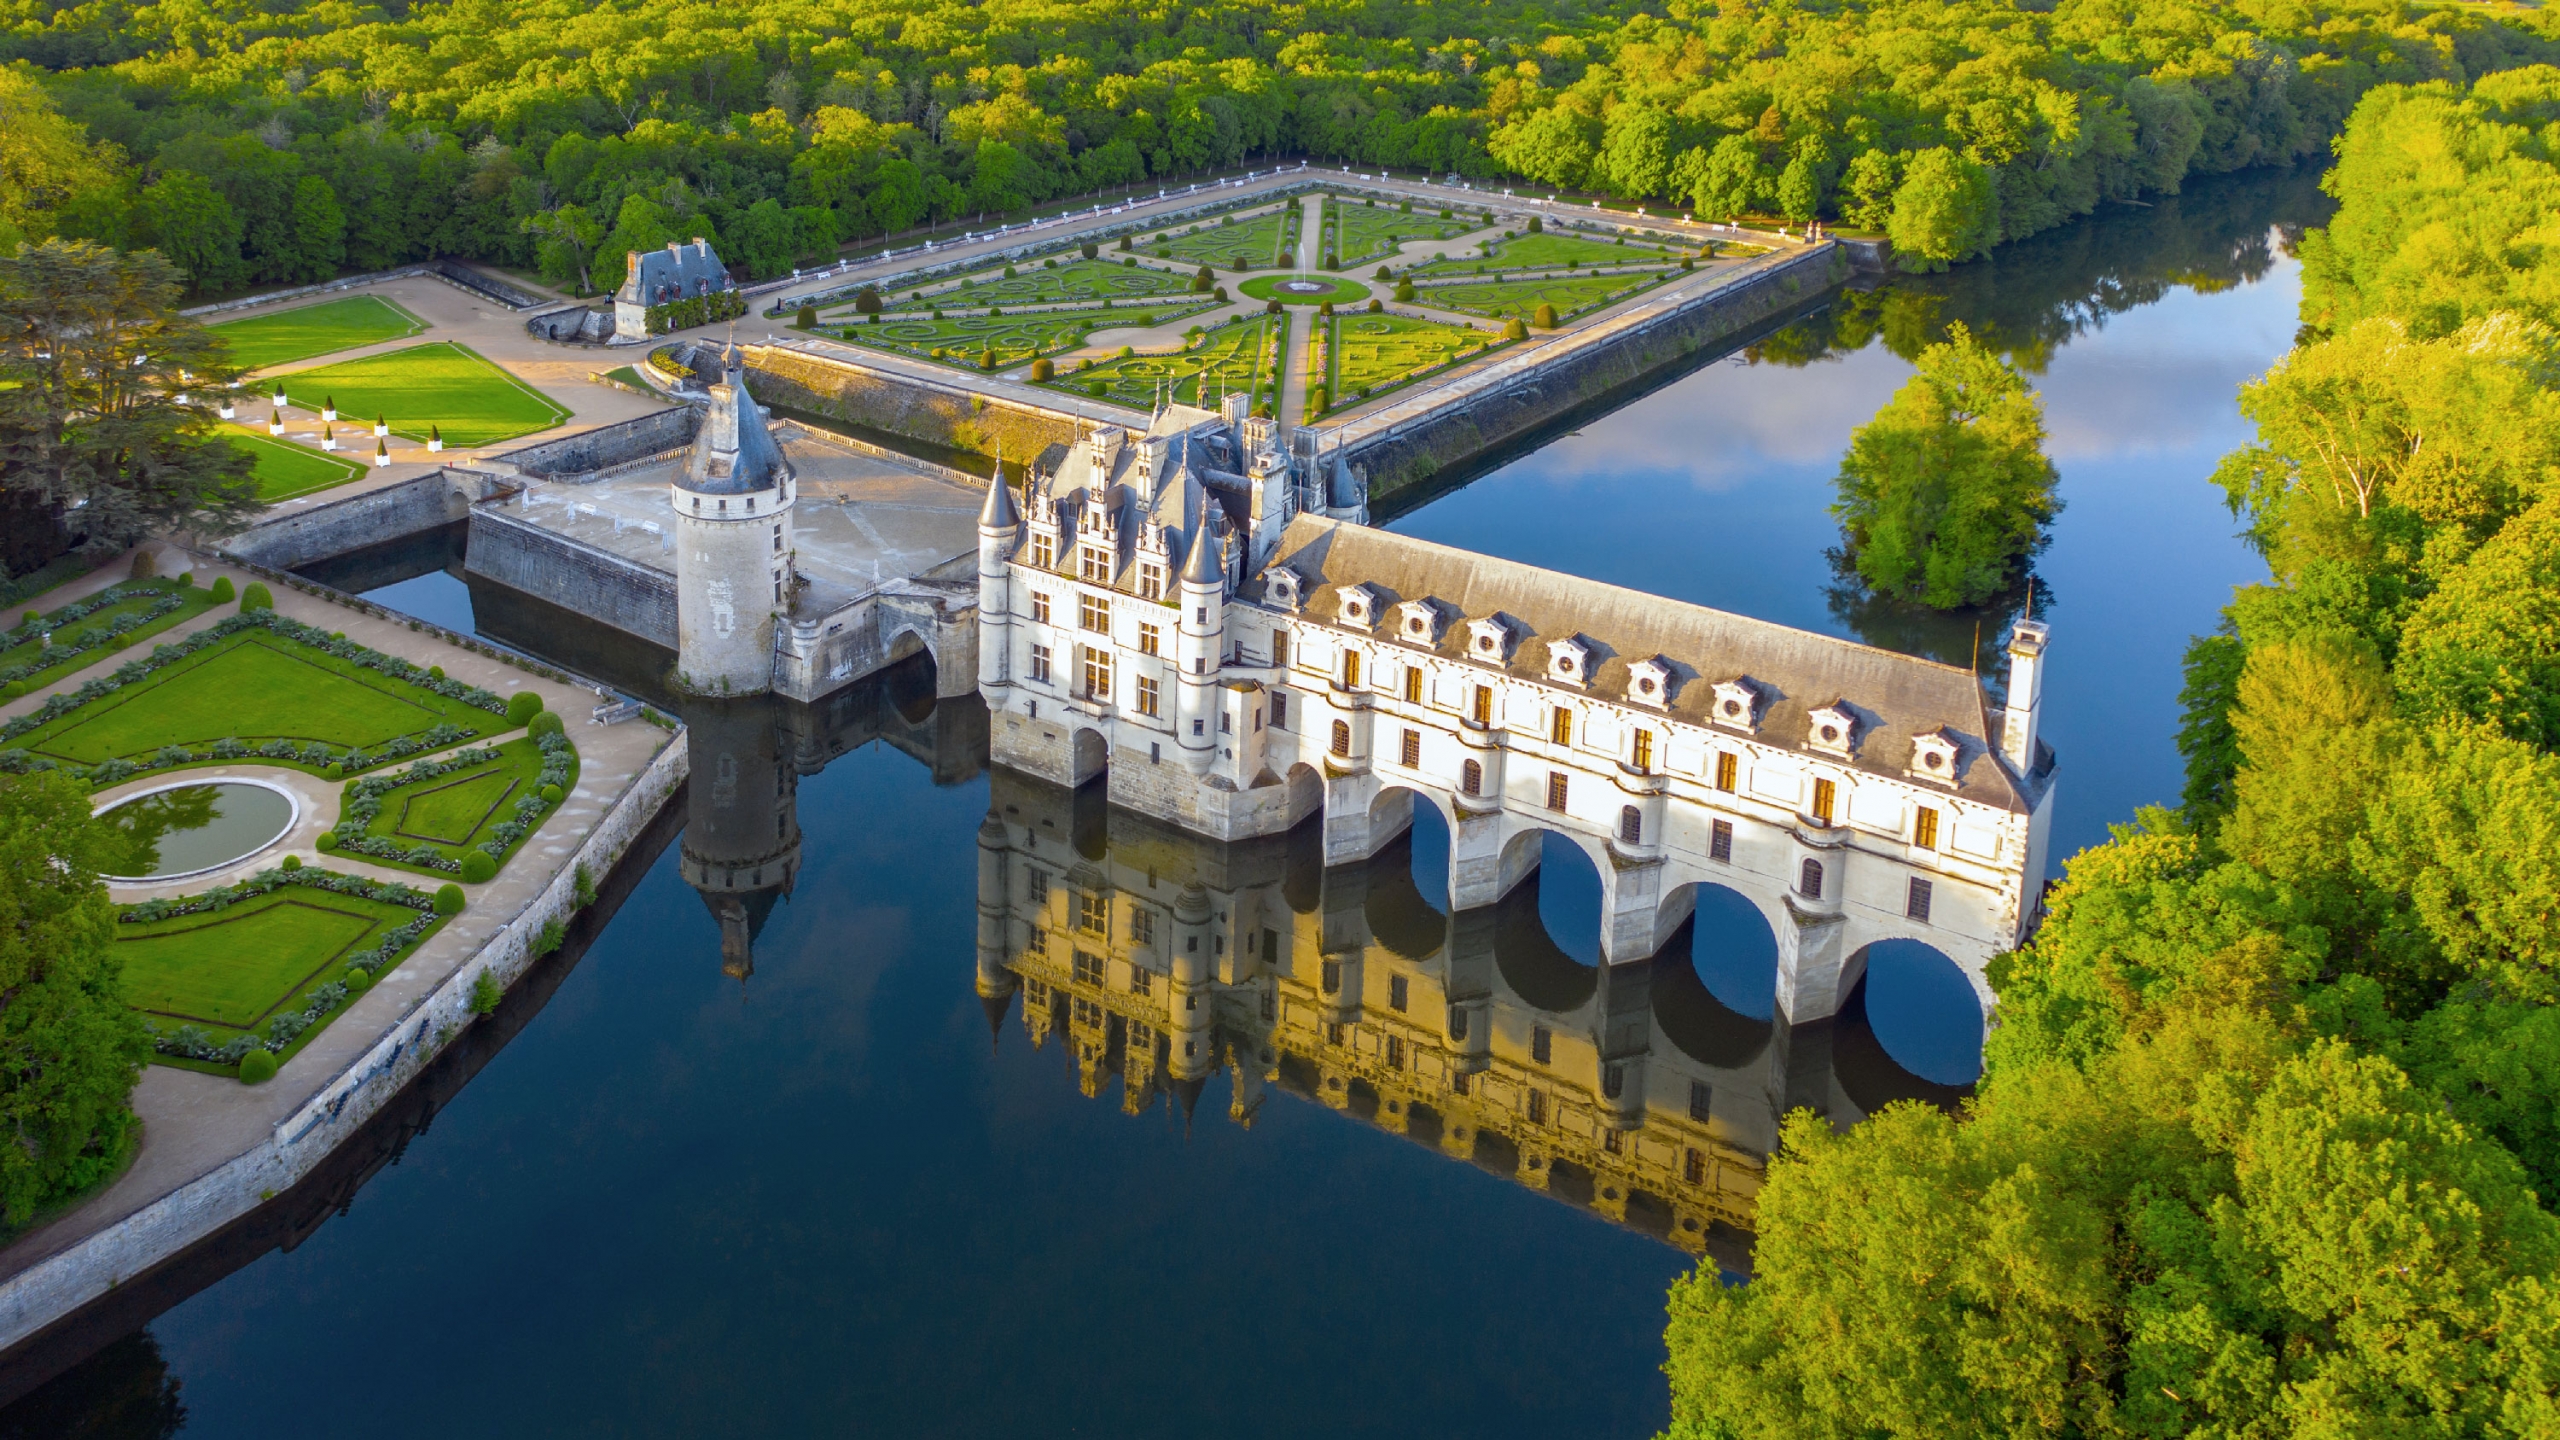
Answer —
761 1159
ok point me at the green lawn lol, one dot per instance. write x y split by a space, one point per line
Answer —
1570 294
452 813
234 970
1237 358
1339 292
1076 280
286 470
1549 249
308 330
1222 244
1371 354
1357 233
1014 338
444 384
80 643
255 686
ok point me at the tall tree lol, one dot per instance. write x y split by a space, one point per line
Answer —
70 1049
105 394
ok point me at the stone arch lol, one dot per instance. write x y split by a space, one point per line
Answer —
1531 963
1696 1022
1925 1010
910 686
1868 1076
1729 943
1089 756
1402 910
908 641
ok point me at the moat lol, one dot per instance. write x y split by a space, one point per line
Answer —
820 1181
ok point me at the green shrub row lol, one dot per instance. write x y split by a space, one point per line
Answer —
363 805
698 310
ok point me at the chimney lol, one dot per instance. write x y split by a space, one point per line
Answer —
2026 695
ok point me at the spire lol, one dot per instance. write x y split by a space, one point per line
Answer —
999 512
995 1008
1203 568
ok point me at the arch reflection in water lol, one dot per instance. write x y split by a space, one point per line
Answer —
1156 958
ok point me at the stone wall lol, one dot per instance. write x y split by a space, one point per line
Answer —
595 583
934 412
1464 425
394 512
606 446
59 1285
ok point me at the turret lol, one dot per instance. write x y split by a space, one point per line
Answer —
741 847
1202 647
732 543
1191 1006
996 980
2025 710
999 533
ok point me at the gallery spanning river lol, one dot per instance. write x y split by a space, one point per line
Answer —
828 1186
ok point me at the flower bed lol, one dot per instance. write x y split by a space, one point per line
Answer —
370 820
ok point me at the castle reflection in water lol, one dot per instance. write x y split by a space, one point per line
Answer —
1154 959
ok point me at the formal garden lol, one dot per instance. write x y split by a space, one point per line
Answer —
997 341
437 815
1228 242
1369 355
234 980
1077 281
286 470
308 330
1551 249
443 384
45 646
1356 232
1240 357
1564 295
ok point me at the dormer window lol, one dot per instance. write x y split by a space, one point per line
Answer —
1569 662
1489 641
1285 588
1934 756
1359 606
1737 706
1649 682
1418 622
1831 729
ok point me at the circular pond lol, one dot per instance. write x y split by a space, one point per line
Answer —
1306 289
180 830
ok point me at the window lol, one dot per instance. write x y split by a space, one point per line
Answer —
1458 1084
1916 906
1087 1013
1644 750
1141 982
1332 976
1093 914
777 539
1342 737
1555 789
1542 1044
1270 1006
1088 968
1226 723
1280 709
1727 767
1039 662
1694 1168
1395 1052
1630 825
1924 828
1333 1032
1484 705
1720 841
1150 697
1351 669
1613 1082
1150 580
1471 778
1280 649
1457 1025
1538 1106
1150 640
1094 564
1270 946
1809 880
1560 730
1412 752
1039 945
1701 1101
1413 684
1093 613
1039 607
1142 925
1823 794
1044 550
1039 887
1097 673
1396 993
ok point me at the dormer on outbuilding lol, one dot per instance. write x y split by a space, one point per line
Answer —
1649 682
1737 705
1420 622
1832 729
1491 640
1935 757
1570 661
1360 605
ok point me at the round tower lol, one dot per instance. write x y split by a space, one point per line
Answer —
999 531
741 847
1200 649
732 544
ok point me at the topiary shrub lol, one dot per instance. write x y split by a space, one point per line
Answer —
292 862
1536 225
546 723
1545 319
522 706
257 597
448 899
1326 309
1273 306
145 564
1317 401
807 319
1376 306
1512 329
222 592
257 1067
1404 292
1041 369
1089 250
550 794
327 842
13 690
478 868
358 981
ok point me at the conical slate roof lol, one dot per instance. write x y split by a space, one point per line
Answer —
733 453
999 512
1203 567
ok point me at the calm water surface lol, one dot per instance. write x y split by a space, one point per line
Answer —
782 1159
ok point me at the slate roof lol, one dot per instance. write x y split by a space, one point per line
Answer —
757 463
1894 696
675 273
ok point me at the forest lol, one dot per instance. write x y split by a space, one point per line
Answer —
2273 1097
272 143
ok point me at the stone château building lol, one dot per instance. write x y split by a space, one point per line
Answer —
662 277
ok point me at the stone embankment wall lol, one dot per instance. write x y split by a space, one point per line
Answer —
411 507
939 413
575 576
606 446
55 1287
1406 445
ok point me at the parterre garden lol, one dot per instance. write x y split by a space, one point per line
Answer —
1509 299
1356 232
1075 281
308 330
1236 358
47 645
1227 243
1368 355
997 341
1550 249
